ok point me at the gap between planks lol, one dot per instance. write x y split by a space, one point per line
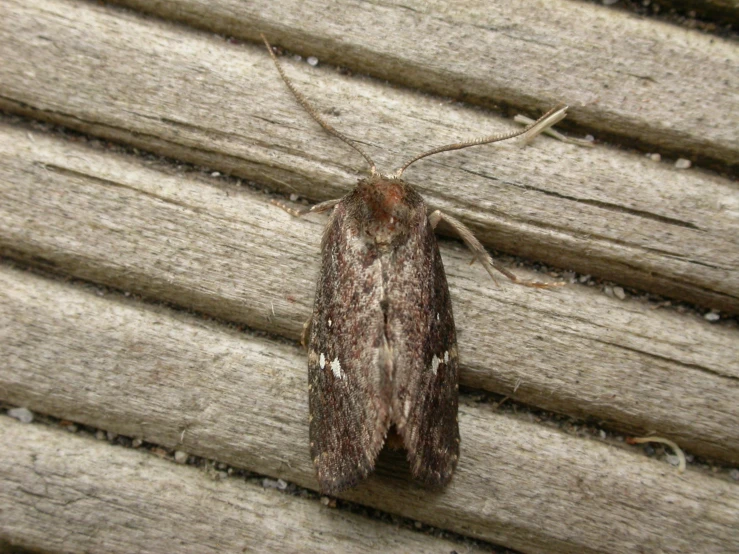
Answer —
638 80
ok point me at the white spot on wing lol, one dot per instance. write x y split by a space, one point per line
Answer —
446 357
330 322
336 369
435 364
322 361
437 316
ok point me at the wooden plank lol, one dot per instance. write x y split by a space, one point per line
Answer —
647 82
182 382
197 98
67 493
226 252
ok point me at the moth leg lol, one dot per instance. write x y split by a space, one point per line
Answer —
306 332
315 208
479 252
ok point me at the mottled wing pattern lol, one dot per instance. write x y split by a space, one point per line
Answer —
425 393
349 411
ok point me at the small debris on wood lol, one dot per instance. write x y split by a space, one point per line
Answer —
24 415
278 484
712 316
679 454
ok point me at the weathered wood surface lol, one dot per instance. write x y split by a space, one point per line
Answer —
599 211
76 494
185 383
228 253
653 83
208 245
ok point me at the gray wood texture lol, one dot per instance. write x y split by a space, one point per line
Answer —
229 253
62 495
203 243
182 382
653 83
198 98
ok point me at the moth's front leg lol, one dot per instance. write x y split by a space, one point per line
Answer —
479 252
306 332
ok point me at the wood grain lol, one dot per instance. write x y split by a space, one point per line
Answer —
76 494
166 232
196 386
649 83
226 252
198 98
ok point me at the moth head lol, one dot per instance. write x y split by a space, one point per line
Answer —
383 206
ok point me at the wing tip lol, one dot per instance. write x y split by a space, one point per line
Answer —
332 481
437 472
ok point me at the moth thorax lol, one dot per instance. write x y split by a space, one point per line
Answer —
385 208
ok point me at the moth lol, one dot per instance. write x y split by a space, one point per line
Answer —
382 347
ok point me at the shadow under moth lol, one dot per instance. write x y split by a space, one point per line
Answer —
382 348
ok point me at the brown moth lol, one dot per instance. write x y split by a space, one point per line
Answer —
382 347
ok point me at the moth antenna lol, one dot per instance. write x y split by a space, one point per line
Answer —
303 101
550 118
